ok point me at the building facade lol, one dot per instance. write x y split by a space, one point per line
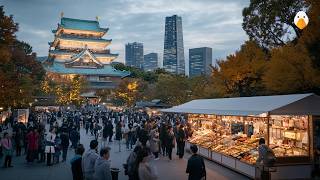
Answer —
200 60
150 62
134 55
79 49
173 55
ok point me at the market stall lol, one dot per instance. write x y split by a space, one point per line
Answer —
227 131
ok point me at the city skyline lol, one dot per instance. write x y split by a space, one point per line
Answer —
173 53
205 23
200 60
134 55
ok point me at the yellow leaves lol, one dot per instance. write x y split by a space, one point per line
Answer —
132 86
69 93
45 86
240 74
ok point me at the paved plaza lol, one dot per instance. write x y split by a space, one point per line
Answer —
166 169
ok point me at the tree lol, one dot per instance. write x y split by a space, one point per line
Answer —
241 74
8 28
290 71
20 73
172 89
310 37
270 22
24 46
130 91
75 91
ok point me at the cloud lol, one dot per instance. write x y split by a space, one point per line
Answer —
215 24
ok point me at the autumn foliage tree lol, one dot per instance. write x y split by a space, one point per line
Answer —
20 73
241 73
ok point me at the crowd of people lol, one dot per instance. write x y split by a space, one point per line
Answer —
49 134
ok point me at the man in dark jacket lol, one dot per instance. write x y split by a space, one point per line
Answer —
76 162
196 168
110 130
65 144
180 141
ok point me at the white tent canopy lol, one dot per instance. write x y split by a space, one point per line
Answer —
295 104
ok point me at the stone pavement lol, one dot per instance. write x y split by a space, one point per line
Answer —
167 170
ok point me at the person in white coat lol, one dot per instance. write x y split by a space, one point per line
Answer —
146 170
49 149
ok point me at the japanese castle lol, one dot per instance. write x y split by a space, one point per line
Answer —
79 49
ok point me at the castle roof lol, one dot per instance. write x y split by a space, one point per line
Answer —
58 52
107 70
73 38
80 24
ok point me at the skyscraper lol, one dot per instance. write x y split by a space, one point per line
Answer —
134 55
173 55
199 61
150 62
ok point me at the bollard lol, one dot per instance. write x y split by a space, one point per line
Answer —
115 173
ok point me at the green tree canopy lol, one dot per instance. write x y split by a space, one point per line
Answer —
270 22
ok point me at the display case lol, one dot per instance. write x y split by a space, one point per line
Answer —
289 136
233 140
233 136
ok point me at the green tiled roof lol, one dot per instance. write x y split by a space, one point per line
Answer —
108 70
84 39
79 24
72 53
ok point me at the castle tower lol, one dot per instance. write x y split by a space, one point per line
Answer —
79 49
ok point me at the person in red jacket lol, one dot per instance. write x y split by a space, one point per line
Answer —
32 148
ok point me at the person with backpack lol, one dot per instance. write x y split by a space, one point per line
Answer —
266 159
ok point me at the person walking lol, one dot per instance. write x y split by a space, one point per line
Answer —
19 141
57 149
33 140
89 159
65 144
49 149
132 164
74 137
146 170
196 167
110 130
130 141
104 135
87 125
42 145
181 141
170 142
76 163
163 138
154 142
7 150
102 165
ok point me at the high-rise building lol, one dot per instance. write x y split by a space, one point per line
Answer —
134 55
173 55
150 62
79 48
200 60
